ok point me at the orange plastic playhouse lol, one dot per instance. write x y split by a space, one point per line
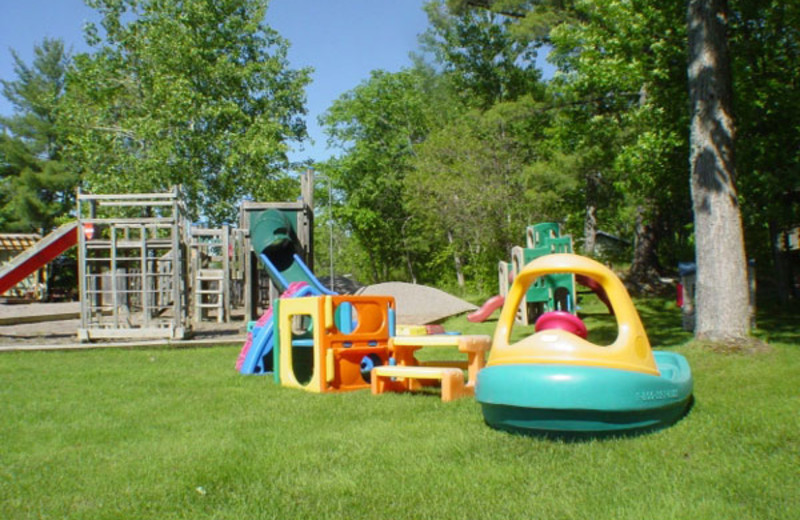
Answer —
331 343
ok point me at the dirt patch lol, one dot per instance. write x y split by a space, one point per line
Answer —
748 346
57 324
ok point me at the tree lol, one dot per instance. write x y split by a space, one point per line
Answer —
722 288
473 189
469 187
764 44
485 62
598 37
621 88
377 125
37 188
197 93
618 102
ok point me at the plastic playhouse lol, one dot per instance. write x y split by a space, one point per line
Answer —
331 343
557 383
548 293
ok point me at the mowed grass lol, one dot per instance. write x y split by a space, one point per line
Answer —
179 434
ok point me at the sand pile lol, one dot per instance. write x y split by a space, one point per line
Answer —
419 304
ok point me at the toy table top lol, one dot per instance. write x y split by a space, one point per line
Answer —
466 343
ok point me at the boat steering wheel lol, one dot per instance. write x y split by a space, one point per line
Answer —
561 320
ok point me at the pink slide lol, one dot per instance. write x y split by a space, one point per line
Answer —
486 310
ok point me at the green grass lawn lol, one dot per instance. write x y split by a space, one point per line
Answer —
179 434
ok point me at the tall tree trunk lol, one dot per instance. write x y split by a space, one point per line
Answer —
645 267
722 289
590 230
590 219
456 261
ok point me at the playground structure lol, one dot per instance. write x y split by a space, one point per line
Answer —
211 252
132 267
144 272
313 339
548 293
557 383
278 247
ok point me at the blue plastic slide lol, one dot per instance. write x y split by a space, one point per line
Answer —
297 271
257 352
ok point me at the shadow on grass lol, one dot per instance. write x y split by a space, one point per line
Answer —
776 323
663 322
660 317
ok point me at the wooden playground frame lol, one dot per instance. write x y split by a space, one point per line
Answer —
132 267
145 272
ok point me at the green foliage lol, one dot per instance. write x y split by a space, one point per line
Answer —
37 187
622 69
196 93
377 124
471 188
764 39
482 58
611 137
605 138
331 238
441 165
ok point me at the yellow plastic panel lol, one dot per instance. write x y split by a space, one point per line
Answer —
290 307
630 351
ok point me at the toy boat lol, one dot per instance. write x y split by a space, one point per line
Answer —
558 384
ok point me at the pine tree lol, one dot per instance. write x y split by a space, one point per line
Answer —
36 187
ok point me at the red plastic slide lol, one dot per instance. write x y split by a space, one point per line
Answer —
39 255
486 310
597 289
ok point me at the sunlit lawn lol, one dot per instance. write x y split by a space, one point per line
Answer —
178 434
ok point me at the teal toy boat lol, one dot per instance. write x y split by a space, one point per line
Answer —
556 383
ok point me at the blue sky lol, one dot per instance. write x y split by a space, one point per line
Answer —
343 40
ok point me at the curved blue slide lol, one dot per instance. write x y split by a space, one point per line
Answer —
273 239
256 354
297 271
